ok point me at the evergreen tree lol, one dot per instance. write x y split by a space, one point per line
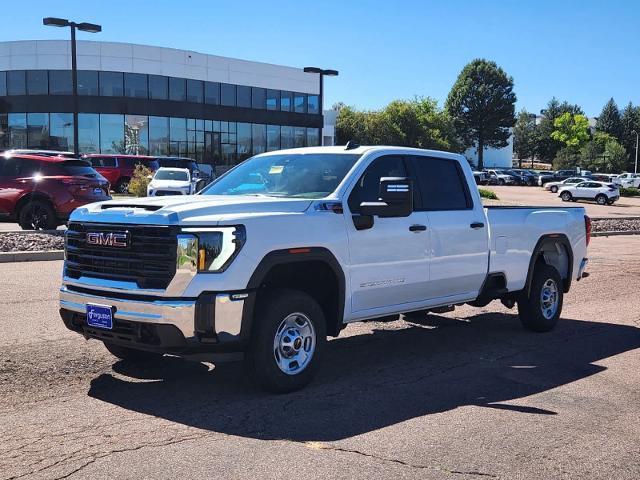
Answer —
630 124
524 136
610 121
546 146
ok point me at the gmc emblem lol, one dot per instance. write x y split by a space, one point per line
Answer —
112 239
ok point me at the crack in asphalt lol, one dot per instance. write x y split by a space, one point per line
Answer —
325 446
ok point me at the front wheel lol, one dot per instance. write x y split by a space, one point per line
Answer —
566 196
540 309
288 341
601 199
37 215
122 186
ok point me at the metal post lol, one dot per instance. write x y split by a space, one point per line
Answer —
320 103
74 79
635 170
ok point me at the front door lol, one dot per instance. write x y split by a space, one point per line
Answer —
389 261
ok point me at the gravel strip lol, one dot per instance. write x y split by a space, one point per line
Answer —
16 242
615 225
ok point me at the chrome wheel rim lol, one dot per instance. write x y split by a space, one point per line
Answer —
549 299
38 218
294 343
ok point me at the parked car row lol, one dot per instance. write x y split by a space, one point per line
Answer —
514 176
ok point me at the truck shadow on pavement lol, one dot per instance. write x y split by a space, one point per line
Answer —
373 380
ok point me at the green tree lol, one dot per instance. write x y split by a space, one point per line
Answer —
413 123
524 136
630 125
571 130
546 146
610 121
615 157
482 105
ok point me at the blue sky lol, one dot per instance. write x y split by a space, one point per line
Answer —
582 51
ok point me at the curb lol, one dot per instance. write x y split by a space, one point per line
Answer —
613 234
31 232
35 256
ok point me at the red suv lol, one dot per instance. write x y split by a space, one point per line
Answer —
40 192
118 169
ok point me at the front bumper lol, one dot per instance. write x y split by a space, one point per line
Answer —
211 322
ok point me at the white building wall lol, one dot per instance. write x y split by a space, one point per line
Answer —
132 58
493 157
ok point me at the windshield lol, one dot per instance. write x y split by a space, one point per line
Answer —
311 175
172 175
77 168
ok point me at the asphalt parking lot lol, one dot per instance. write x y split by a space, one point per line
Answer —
466 395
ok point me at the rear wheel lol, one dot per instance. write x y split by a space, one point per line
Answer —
554 189
501 182
122 186
37 215
131 354
566 197
540 309
601 199
288 341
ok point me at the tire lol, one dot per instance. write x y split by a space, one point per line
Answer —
601 199
131 354
501 182
290 322
611 202
554 189
37 215
566 197
541 309
122 186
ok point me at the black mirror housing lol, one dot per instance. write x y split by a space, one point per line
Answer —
395 198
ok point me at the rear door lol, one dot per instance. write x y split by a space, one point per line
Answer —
459 250
11 188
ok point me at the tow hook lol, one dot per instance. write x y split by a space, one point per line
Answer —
508 302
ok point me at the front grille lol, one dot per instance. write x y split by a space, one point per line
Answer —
162 193
149 261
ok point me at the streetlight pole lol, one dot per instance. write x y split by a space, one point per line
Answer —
85 27
635 170
322 73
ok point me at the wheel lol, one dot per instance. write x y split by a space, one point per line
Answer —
601 199
501 182
540 310
554 189
566 196
123 185
288 341
610 202
131 354
37 215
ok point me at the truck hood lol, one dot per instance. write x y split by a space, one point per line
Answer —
187 210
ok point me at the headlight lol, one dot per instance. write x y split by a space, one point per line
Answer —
210 249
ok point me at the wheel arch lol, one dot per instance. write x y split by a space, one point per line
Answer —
553 249
314 270
29 197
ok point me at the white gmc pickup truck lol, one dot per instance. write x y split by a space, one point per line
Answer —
288 247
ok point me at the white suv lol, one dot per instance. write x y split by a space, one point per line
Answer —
602 193
170 181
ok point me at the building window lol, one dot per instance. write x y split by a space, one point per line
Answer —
16 84
158 87
111 84
38 130
300 103
244 96
37 82
60 82
273 99
228 144
61 131
259 138
286 137
244 141
313 137
177 89
299 137
3 84
135 85
87 82
178 136
195 91
286 101
212 93
18 130
258 98
273 138
158 135
111 133
136 134
89 132
4 130
228 94
313 104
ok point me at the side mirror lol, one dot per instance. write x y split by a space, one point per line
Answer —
395 199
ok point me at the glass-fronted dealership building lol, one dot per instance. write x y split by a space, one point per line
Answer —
138 99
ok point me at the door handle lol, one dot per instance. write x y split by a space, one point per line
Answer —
476 225
417 228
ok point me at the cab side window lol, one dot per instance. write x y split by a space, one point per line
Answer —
368 187
442 184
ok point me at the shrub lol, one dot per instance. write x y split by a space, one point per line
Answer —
486 193
141 178
629 192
